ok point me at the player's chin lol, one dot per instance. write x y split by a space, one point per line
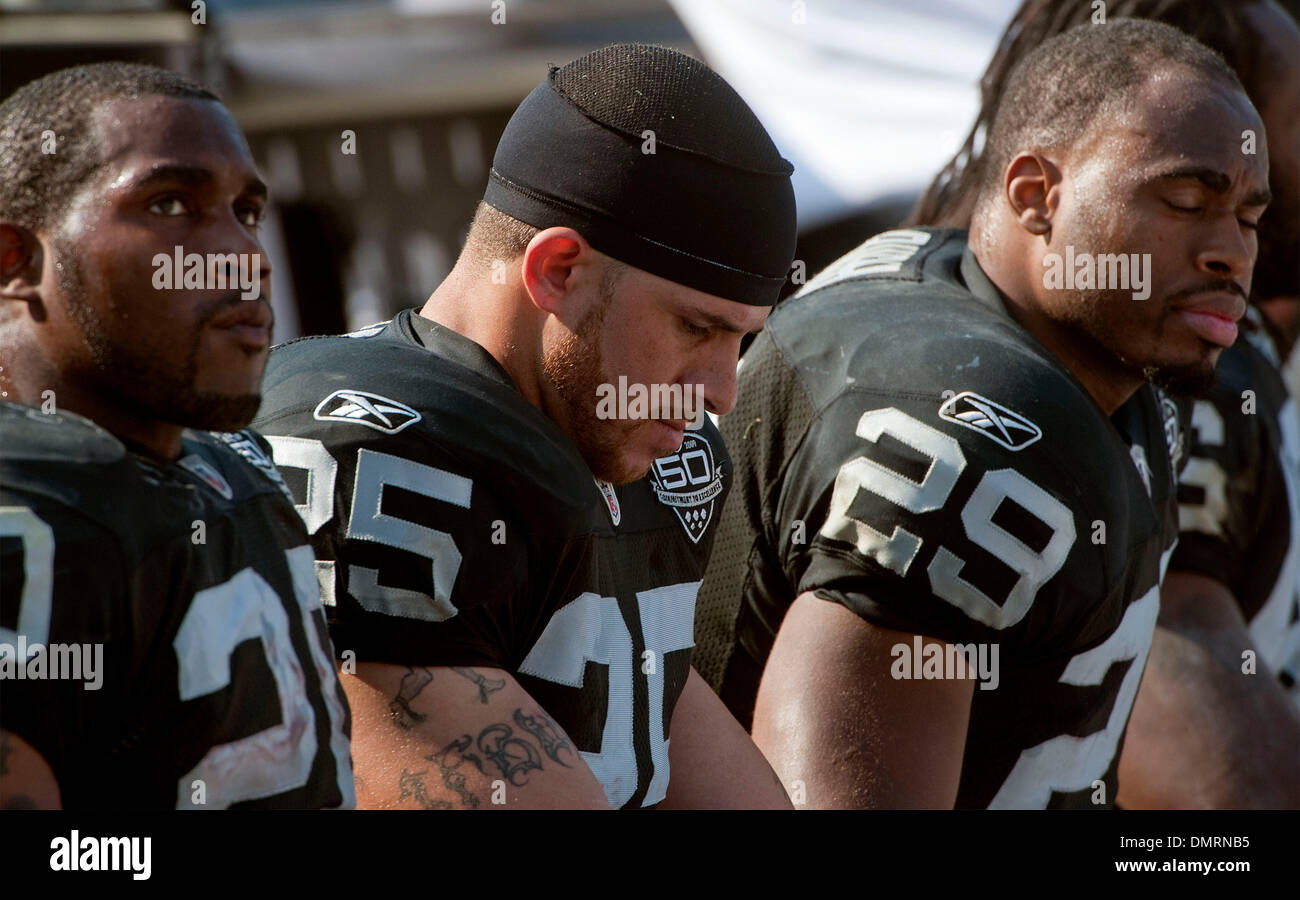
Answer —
631 462
230 367
220 412
1183 377
627 466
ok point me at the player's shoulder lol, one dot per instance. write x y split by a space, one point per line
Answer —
436 398
65 460
61 482
82 482
898 317
31 434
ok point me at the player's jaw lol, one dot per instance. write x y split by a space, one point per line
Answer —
233 342
645 443
197 369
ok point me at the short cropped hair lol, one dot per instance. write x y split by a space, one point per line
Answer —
495 235
1059 89
36 187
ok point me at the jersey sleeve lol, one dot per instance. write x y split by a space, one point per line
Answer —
64 637
419 563
925 526
1220 501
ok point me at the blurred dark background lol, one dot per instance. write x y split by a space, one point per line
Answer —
868 99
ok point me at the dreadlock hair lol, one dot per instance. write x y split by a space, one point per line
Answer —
36 186
950 199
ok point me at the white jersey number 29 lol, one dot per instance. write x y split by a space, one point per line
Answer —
898 549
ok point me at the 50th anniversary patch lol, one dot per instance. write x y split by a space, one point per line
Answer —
689 481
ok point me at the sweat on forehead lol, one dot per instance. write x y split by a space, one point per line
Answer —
1178 111
171 128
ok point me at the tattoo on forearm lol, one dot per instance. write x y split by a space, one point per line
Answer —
514 756
540 727
498 752
485 685
450 777
413 682
412 785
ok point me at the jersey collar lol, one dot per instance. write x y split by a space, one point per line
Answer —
980 284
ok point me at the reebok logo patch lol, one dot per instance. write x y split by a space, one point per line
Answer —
993 420
365 408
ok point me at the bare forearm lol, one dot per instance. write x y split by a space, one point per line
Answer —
444 738
1203 732
841 732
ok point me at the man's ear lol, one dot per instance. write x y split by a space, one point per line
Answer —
21 260
549 265
1032 185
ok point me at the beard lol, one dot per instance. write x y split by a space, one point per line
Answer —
134 375
1104 333
1196 381
574 368
1090 314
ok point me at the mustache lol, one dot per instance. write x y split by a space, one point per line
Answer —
1210 286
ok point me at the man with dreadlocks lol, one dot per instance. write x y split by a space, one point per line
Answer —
1209 728
952 469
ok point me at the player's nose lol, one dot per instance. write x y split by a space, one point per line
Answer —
719 380
231 235
1227 252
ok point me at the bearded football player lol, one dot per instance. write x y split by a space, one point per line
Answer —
1211 725
955 481
141 532
511 555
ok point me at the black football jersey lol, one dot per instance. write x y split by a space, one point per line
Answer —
904 448
184 659
1239 496
456 525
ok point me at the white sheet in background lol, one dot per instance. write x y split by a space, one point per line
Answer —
868 98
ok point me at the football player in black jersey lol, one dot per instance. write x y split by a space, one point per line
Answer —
1229 619
954 491
510 549
162 640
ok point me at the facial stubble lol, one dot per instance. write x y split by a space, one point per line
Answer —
135 376
575 368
